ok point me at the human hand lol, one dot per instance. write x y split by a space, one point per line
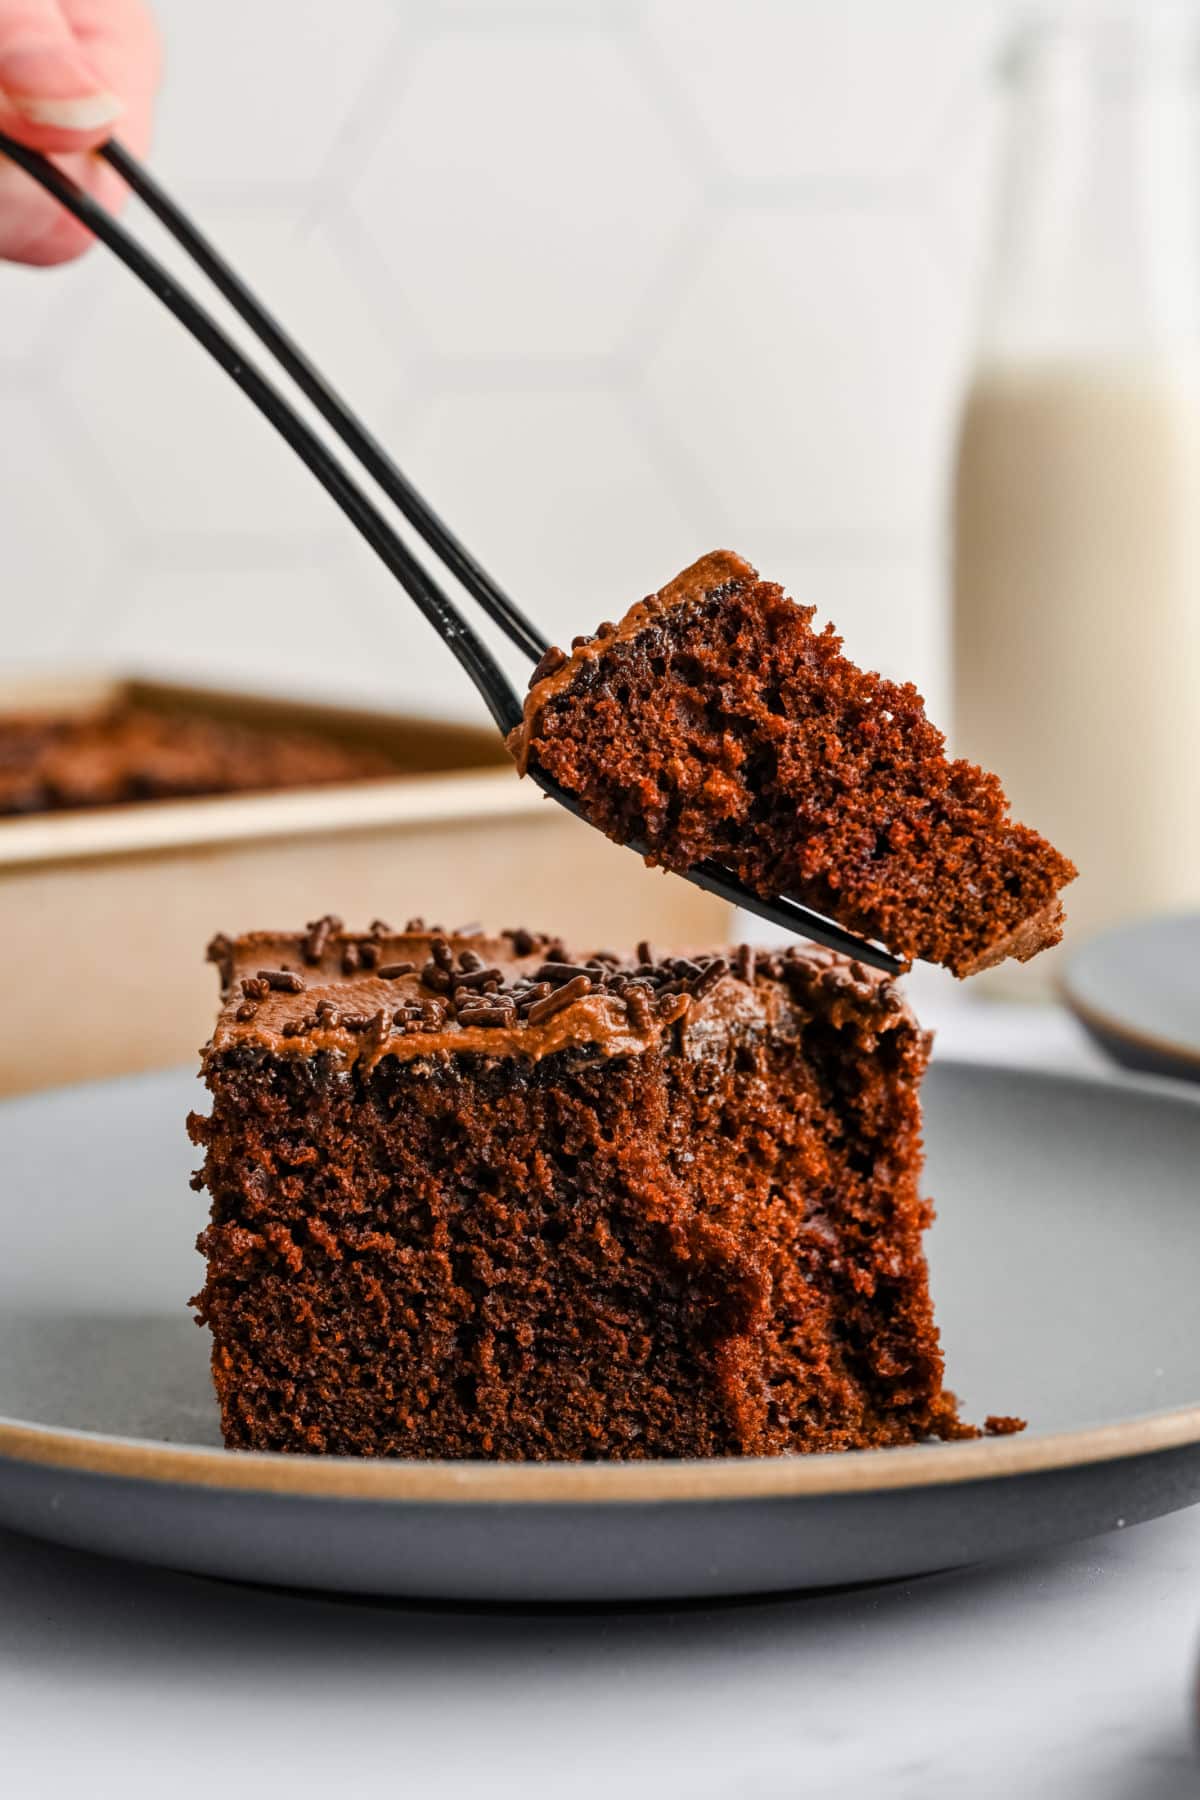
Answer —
71 73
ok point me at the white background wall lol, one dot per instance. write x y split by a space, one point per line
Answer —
618 282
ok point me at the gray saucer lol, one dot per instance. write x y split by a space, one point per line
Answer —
1136 990
1064 1267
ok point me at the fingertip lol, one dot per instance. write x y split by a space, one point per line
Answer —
51 96
55 143
60 125
64 242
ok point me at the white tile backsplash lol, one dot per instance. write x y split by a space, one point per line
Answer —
229 622
57 536
617 282
807 375
256 92
558 490
524 191
822 92
181 442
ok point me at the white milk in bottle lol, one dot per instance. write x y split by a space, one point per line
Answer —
1076 505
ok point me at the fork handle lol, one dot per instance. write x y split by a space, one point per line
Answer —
487 675
362 444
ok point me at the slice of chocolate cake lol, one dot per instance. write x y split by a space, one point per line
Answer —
714 721
476 1197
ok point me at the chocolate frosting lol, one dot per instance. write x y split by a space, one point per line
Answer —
518 994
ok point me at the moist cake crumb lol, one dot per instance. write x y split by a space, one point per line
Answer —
716 721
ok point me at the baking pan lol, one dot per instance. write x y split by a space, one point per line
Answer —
104 914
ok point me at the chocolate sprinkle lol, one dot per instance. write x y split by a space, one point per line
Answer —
393 971
639 1006
709 976
560 998
476 978
319 933
487 1015
282 981
687 971
552 661
358 1021
563 971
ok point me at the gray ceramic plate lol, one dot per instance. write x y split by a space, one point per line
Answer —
1064 1264
1137 991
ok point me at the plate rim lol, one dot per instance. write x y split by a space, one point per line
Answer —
697 1480
821 1474
1106 1024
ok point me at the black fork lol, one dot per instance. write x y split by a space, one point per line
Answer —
489 678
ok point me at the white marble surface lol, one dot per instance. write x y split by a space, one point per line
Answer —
1068 1675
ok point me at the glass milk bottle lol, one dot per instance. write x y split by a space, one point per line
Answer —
1076 509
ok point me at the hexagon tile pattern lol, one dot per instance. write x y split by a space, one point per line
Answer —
524 191
618 279
232 624
257 91
57 540
819 346
788 91
186 447
559 496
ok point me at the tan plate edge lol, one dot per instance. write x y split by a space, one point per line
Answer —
1107 1026
352 1478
